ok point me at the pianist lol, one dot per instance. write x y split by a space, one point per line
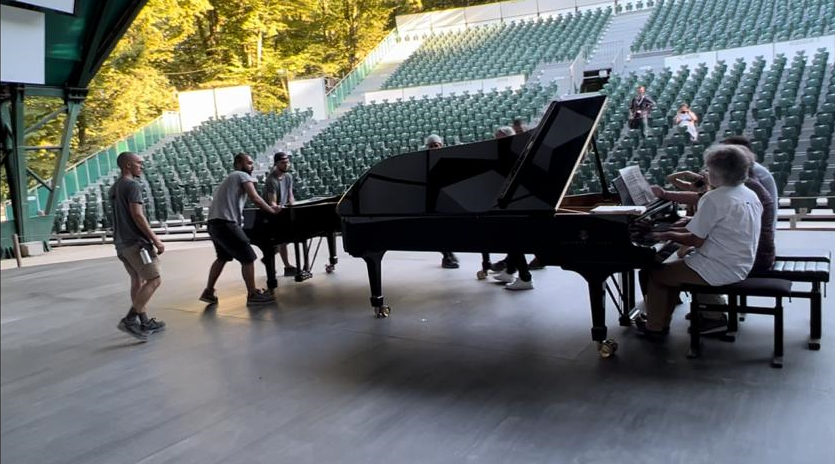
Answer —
724 233
278 191
449 260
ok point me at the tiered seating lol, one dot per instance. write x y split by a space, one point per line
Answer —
689 26
499 49
786 110
333 159
189 167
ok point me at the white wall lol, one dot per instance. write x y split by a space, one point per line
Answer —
767 51
458 88
309 93
197 106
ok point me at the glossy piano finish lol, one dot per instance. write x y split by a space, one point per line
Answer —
296 224
498 196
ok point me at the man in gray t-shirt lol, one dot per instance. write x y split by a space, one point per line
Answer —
760 172
225 229
278 190
133 238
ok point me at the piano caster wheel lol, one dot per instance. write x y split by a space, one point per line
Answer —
381 312
480 275
329 268
607 348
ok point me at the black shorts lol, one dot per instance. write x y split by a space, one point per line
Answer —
230 241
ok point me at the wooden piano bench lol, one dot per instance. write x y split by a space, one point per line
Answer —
807 266
752 286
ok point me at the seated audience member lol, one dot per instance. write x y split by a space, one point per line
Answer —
724 233
687 119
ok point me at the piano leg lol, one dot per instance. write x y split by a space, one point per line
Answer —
331 253
269 264
597 297
302 272
627 280
374 262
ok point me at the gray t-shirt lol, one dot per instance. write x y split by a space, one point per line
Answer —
281 188
767 180
229 198
125 231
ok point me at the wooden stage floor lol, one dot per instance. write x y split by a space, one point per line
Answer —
463 371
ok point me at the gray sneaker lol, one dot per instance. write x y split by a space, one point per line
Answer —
208 297
259 297
153 326
134 329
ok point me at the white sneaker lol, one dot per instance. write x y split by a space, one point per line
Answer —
503 276
519 284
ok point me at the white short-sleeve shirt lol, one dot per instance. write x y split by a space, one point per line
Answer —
729 219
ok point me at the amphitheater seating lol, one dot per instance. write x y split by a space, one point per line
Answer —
689 26
332 160
178 174
786 110
499 49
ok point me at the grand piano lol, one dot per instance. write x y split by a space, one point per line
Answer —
504 196
298 224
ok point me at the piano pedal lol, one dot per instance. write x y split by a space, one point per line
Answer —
382 312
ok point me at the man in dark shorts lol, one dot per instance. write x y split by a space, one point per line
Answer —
279 191
135 242
225 228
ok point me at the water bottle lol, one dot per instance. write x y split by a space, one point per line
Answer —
145 256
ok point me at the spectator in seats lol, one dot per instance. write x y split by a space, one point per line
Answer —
449 260
639 110
723 233
135 242
519 125
226 230
278 191
687 119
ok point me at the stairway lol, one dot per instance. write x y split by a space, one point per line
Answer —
619 35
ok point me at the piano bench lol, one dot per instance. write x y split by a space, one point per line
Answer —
752 286
807 266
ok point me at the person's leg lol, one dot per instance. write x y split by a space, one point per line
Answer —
522 267
248 273
663 287
146 291
282 251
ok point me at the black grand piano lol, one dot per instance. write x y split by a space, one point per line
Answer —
298 224
503 196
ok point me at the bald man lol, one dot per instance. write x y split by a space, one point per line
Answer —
135 246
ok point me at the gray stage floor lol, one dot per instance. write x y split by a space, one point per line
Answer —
463 371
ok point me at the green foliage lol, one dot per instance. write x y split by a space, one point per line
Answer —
192 44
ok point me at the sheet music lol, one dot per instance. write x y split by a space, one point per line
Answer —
637 185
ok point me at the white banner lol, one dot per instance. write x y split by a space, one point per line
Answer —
692 60
22 46
810 46
445 90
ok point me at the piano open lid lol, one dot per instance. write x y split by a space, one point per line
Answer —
543 172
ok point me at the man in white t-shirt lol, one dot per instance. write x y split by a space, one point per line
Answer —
724 231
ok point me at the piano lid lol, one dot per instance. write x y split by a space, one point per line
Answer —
543 172
529 171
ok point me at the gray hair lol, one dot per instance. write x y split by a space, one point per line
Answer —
728 164
433 138
505 131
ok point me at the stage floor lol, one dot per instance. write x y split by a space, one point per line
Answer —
462 371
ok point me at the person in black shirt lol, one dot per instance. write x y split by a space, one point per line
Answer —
639 110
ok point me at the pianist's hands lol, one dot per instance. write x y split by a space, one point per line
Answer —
277 209
658 191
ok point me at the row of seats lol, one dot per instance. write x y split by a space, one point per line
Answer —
332 160
499 49
178 175
788 110
689 26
